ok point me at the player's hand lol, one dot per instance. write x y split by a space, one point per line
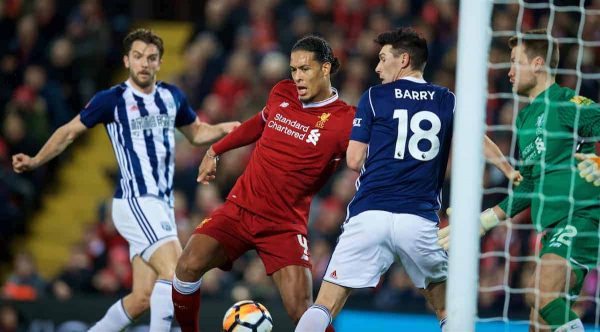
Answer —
444 237
487 220
22 163
208 167
515 176
228 127
444 233
589 167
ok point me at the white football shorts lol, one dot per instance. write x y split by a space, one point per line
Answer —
372 240
145 222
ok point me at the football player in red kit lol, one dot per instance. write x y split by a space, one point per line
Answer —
301 136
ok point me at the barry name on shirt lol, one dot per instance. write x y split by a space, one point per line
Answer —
414 95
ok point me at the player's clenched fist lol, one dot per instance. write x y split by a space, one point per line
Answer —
589 167
208 167
22 163
515 176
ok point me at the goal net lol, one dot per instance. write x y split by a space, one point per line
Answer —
509 252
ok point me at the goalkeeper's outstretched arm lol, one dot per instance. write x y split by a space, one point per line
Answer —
488 219
509 207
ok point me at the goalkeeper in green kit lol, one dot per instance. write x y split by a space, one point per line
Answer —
550 131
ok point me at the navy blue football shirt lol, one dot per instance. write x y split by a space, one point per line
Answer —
407 125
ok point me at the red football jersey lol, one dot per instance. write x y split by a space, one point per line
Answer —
300 148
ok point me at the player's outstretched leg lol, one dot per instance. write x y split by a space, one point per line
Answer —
164 261
201 254
295 286
330 301
536 323
316 318
115 319
126 310
553 309
435 294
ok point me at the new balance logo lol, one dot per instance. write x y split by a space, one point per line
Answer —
284 104
333 275
313 137
304 244
539 145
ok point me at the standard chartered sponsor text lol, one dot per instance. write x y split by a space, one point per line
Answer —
289 127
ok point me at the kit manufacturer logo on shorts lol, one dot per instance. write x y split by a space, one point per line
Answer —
304 244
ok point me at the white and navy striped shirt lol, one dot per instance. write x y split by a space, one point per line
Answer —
141 129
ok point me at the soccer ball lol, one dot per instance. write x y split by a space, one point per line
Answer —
247 316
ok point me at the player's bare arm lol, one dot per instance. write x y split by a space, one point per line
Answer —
493 154
56 144
199 132
356 154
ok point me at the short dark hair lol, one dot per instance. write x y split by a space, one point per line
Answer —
535 43
146 36
406 40
321 49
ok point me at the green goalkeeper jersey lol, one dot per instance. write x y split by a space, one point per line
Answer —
550 130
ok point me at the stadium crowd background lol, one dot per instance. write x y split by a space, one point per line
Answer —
56 59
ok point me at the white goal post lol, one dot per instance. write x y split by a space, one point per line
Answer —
467 176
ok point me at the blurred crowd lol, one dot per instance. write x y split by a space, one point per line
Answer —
238 50
51 59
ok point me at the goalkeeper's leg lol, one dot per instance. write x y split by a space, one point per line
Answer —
550 310
537 324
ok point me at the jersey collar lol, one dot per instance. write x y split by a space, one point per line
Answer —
321 103
413 79
138 92
553 91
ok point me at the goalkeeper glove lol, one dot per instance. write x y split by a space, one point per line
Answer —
589 167
487 220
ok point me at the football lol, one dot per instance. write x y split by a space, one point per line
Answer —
247 316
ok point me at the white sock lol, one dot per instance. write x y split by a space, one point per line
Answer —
315 319
573 326
443 324
115 319
185 287
161 306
